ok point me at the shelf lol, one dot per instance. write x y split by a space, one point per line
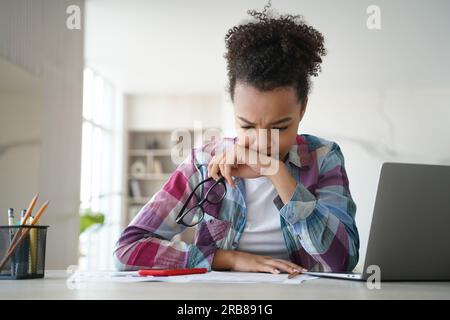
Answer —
149 176
141 200
149 155
150 152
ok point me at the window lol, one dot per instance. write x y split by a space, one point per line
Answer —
101 169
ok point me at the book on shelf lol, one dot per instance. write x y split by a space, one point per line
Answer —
157 167
135 189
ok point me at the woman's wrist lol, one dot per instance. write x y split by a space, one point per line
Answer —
223 260
283 182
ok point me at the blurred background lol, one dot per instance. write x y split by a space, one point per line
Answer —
87 113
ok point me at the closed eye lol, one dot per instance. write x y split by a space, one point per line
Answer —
275 128
280 128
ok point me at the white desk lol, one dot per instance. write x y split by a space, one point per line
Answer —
54 287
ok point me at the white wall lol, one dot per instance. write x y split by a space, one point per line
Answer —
33 36
20 137
19 151
166 112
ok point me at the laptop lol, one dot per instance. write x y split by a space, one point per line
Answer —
410 232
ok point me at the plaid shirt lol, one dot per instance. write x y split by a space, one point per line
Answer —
317 223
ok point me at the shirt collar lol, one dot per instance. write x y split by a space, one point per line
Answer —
299 154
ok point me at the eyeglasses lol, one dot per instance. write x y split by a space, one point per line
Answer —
190 217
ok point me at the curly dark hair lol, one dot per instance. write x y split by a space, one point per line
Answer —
273 52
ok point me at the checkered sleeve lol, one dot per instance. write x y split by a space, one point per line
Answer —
147 241
323 217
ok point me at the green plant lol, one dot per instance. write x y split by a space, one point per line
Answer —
89 218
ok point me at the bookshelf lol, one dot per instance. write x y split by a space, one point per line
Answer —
149 164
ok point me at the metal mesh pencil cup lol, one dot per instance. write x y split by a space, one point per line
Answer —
28 260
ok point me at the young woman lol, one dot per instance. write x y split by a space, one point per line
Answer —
297 217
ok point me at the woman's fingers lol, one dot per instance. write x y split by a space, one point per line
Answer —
267 268
225 169
233 162
285 265
280 265
247 156
240 154
256 263
268 264
210 164
229 161
213 167
222 164
293 265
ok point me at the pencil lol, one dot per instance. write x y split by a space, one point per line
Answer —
31 207
25 218
40 212
13 246
296 273
34 240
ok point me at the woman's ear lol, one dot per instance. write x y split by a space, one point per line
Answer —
303 107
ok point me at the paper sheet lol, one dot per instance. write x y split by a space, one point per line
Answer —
210 277
238 277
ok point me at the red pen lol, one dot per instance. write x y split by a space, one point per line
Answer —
170 272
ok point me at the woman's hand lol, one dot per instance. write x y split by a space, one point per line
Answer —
240 161
247 262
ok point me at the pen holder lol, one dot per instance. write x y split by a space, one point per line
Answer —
28 259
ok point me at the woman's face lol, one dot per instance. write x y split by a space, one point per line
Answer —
278 109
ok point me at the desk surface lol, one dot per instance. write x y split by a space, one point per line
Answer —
54 287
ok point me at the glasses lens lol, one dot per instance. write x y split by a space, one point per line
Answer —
216 193
193 216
